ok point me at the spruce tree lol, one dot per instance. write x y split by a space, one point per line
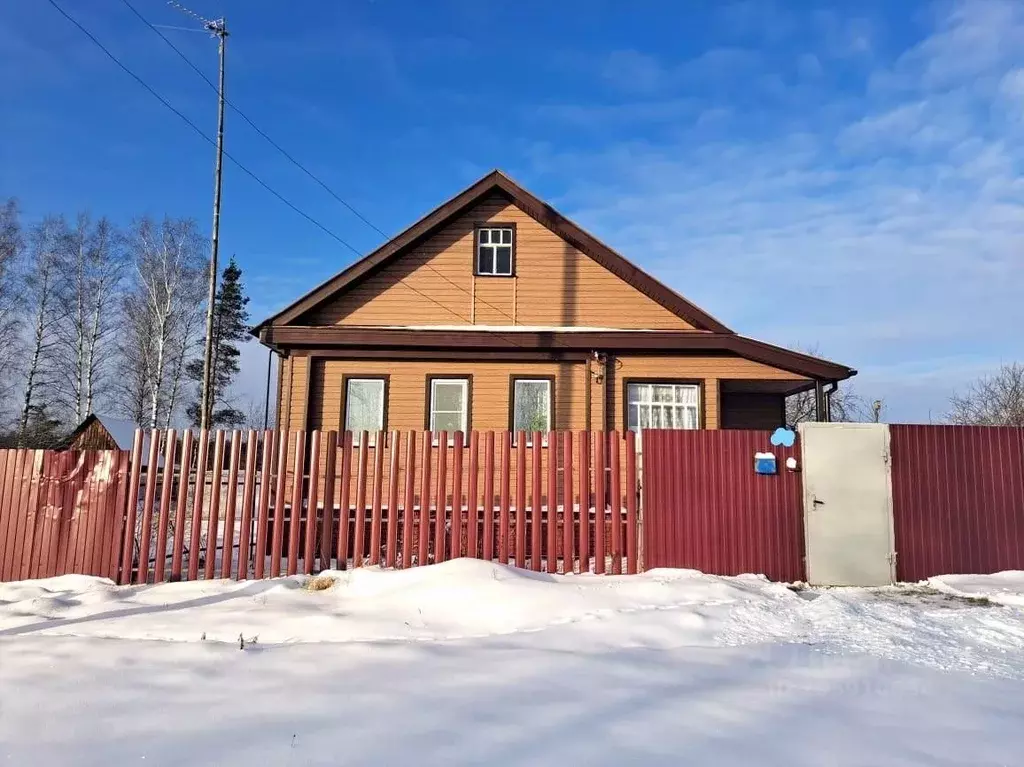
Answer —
230 327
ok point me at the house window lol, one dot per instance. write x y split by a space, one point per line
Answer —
364 406
495 249
449 405
662 406
531 405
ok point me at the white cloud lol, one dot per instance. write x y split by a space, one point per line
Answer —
888 229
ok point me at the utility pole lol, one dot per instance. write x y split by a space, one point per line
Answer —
219 29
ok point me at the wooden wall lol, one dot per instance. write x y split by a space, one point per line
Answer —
555 285
489 401
710 370
407 391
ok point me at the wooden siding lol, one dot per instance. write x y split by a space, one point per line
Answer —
555 284
489 406
752 410
93 437
708 369
489 402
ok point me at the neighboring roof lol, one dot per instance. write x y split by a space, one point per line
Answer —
616 341
535 207
119 429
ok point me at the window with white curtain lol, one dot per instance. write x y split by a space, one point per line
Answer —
449 405
364 407
531 405
662 406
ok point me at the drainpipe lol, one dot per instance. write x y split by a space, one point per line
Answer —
832 387
819 402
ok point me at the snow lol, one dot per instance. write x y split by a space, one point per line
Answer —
1006 588
470 662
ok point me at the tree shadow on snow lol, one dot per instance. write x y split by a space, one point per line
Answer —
251 590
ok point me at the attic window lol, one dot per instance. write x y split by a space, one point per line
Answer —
495 250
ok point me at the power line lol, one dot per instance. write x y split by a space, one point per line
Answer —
199 131
253 125
281 149
252 175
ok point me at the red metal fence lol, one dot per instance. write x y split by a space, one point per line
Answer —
61 512
261 504
705 508
958 499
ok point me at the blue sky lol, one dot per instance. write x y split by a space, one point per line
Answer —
845 175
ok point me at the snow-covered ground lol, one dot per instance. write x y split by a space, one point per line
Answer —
470 663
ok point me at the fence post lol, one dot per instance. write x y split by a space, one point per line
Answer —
312 502
327 533
442 496
229 512
165 502
197 505
249 490
488 521
641 555
147 507
213 522
391 553
294 524
263 509
179 513
472 510
409 504
455 538
616 502
376 519
128 552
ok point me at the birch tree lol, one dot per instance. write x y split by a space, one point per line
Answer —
93 267
11 246
39 286
165 294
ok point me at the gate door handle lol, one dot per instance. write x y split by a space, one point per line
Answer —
816 502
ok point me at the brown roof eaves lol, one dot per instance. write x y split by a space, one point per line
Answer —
337 338
542 212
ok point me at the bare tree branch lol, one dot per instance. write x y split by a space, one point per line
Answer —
995 400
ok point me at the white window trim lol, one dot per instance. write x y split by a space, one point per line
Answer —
493 253
697 407
551 410
464 425
383 407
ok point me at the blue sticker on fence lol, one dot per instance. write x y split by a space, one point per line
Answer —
783 436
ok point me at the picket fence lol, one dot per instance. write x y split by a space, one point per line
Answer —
260 504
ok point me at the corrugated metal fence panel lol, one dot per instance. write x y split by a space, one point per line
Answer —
60 512
958 499
706 509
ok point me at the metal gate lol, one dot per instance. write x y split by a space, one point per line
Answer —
848 504
705 508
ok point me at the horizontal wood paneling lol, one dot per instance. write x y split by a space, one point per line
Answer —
708 369
555 284
489 406
407 391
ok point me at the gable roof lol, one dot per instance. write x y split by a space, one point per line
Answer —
493 182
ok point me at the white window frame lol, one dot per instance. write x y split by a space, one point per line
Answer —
645 399
551 410
383 407
491 248
464 425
